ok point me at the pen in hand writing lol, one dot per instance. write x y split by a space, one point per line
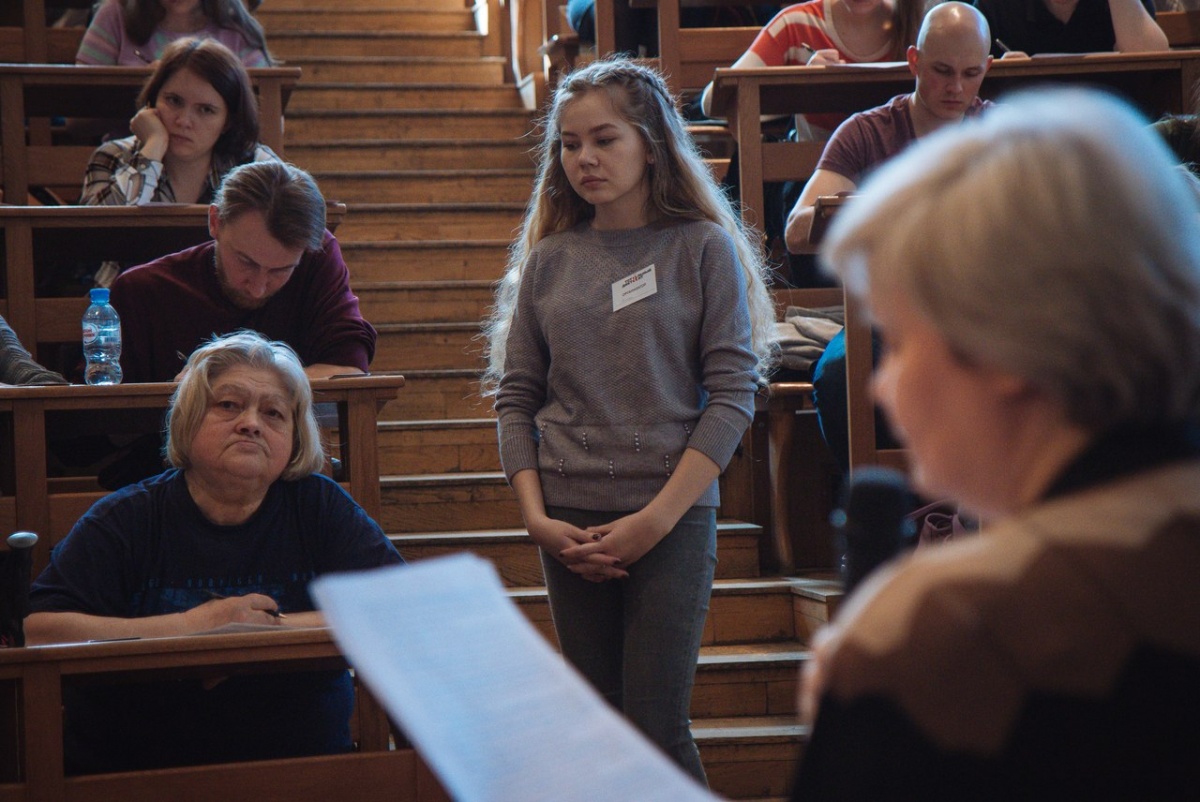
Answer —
212 594
806 47
1003 47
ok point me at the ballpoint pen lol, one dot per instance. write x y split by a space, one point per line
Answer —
212 594
1003 47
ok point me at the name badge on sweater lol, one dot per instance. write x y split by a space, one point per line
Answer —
637 285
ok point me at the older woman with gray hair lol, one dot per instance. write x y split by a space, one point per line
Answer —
231 534
1036 279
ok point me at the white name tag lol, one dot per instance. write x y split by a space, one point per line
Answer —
634 287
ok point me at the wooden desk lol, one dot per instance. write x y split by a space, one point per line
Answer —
1156 82
38 506
34 237
31 747
42 91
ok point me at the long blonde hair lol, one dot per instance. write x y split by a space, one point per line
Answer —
681 187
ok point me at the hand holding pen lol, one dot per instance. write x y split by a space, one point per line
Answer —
249 608
812 57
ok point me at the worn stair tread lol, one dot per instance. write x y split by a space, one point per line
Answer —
440 284
310 33
757 655
474 86
518 535
482 206
414 144
820 586
476 172
713 731
481 477
448 61
411 112
723 587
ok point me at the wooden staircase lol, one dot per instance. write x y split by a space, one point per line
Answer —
405 115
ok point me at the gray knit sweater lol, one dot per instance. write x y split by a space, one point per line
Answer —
604 403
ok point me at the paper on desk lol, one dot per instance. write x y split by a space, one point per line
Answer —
492 708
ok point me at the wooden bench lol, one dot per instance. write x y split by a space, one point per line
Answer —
1156 82
35 502
25 36
34 238
32 94
31 729
1181 27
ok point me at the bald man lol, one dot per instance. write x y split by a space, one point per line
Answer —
949 62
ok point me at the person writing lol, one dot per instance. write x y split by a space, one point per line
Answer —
1042 366
629 336
134 33
948 63
829 32
271 267
233 532
1029 27
197 119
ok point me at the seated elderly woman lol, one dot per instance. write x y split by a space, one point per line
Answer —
1042 364
232 533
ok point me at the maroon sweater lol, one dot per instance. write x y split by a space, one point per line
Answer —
171 305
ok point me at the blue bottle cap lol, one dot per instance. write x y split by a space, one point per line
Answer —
99 295
22 540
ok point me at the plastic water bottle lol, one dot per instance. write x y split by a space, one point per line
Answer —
101 340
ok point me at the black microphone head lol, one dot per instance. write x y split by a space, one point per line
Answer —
872 523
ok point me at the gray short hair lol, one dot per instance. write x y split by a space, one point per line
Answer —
1052 239
247 349
288 198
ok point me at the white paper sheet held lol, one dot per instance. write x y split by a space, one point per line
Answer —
492 708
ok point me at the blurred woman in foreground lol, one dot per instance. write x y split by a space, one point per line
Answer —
1042 364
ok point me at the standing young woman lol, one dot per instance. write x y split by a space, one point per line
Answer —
629 337
134 33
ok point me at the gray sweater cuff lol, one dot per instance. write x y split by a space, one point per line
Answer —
719 432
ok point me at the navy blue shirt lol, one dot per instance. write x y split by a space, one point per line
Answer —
147 550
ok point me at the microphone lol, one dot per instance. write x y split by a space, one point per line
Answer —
15 567
871 526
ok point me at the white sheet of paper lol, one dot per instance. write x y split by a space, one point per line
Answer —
492 708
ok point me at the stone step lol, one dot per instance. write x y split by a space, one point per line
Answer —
502 124
403 346
485 70
448 224
360 96
424 301
750 757
438 395
741 611
516 558
292 44
424 260
464 445
427 186
399 154
277 20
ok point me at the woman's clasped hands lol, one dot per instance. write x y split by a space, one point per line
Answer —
604 552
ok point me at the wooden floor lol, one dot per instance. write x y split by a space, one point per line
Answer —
403 114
